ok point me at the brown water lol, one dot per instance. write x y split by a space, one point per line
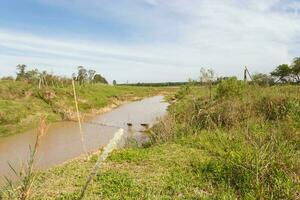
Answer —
63 141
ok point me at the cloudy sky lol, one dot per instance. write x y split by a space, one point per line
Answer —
148 40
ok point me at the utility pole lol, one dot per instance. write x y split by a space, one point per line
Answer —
246 72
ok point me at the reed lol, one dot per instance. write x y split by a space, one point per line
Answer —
26 176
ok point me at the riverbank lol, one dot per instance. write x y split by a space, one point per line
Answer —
22 104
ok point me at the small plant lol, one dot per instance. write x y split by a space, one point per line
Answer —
22 190
183 91
207 77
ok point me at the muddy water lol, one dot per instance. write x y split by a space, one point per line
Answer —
63 141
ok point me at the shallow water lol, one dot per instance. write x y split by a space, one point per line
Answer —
63 140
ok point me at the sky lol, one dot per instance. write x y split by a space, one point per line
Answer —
148 40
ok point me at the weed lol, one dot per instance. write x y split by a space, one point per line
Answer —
27 176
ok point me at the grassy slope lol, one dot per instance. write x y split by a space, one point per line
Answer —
246 148
22 104
154 173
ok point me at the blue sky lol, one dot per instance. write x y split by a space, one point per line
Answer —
148 40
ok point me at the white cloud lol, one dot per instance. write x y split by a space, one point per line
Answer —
180 37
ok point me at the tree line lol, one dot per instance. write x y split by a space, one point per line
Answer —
44 78
283 73
88 76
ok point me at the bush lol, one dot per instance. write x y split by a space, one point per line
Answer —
7 78
263 79
230 88
183 91
277 108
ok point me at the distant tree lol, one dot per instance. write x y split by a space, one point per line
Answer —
91 74
21 72
295 68
207 77
82 75
263 79
282 72
7 78
287 73
99 79
32 75
114 82
74 76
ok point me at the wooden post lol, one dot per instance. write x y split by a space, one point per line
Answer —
245 74
145 125
129 128
248 73
78 118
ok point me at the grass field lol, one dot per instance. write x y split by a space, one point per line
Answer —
22 104
243 143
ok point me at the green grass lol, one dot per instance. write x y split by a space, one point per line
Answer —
22 104
160 172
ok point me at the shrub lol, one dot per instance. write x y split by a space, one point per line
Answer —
230 88
7 78
278 107
263 79
183 91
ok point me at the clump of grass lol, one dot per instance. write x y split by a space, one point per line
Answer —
162 131
183 91
279 107
26 177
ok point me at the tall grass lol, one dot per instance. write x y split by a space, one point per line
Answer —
21 190
251 135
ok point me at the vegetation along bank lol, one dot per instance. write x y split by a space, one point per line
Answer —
34 94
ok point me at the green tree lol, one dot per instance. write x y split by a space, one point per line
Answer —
82 75
207 77
282 72
99 79
295 68
262 79
32 76
21 72
91 74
